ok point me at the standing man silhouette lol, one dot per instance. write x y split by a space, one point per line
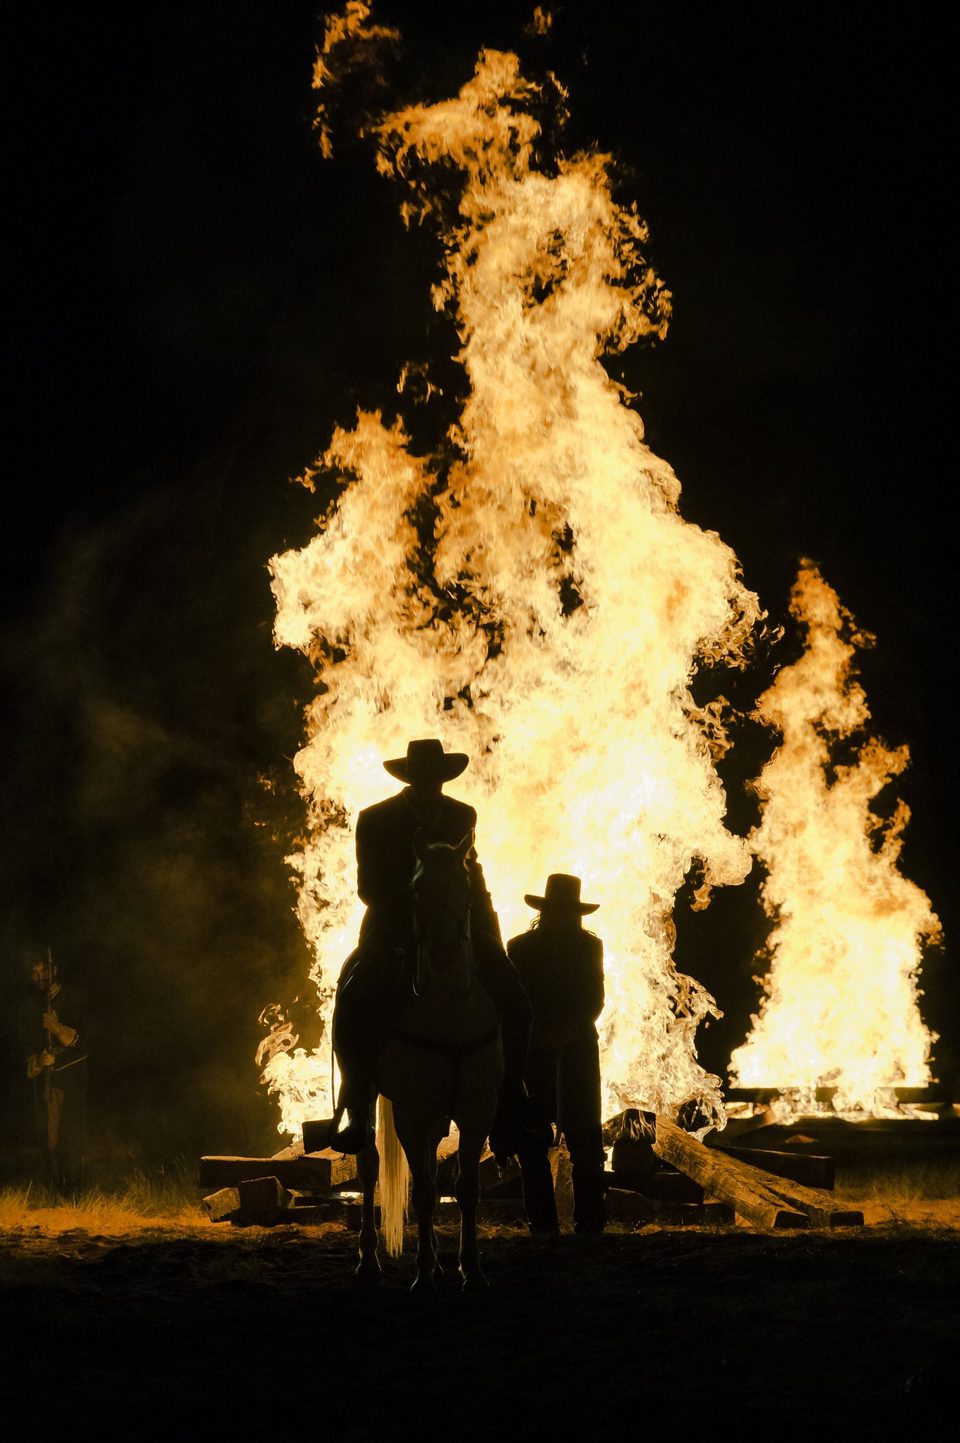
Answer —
561 968
57 1066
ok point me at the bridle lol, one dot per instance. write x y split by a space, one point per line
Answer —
455 941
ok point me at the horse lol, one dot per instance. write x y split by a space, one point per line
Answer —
442 1062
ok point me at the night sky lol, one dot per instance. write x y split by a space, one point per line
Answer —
196 298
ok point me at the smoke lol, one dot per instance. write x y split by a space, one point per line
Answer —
143 845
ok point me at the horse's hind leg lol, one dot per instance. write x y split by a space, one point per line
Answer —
468 1196
368 1170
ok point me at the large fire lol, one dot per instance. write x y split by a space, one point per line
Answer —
841 998
532 595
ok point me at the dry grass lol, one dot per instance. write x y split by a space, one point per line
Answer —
902 1183
914 1191
165 1200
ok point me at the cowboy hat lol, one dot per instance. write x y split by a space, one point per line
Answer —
426 761
562 893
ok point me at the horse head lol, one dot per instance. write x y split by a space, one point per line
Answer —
441 908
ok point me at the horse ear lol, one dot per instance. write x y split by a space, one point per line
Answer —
419 844
464 845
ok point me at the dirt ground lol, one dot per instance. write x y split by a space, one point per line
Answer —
192 1329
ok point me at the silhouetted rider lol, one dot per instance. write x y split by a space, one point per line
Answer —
385 854
372 974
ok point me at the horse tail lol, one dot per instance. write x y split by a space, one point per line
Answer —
394 1179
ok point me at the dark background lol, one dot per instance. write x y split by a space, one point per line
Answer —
195 298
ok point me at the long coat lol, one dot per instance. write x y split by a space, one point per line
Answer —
562 974
386 860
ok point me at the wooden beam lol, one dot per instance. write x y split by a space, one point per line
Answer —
929 1092
822 1209
312 1173
724 1178
668 1184
816 1204
221 1206
633 1155
263 1197
628 1207
814 1170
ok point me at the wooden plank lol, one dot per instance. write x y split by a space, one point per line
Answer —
263 1197
633 1155
629 1208
293 1149
821 1208
624 1205
221 1206
811 1169
313 1172
667 1184
724 1178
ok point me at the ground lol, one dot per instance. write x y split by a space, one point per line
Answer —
116 1329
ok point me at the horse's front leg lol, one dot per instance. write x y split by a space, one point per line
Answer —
424 1195
468 1196
368 1171
420 1147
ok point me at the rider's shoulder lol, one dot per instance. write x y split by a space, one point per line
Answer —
388 807
395 810
455 808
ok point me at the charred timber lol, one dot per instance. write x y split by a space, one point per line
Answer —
627 1206
263 1198
311 1173
812 1169
734 1179
822 1209
221 1206
932 1092
726 1179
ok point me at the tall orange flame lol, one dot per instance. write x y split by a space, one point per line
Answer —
533 596
539 603
841 998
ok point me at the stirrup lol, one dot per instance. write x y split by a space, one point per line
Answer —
357 1135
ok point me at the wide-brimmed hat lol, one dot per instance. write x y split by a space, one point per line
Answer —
426 761
562 893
